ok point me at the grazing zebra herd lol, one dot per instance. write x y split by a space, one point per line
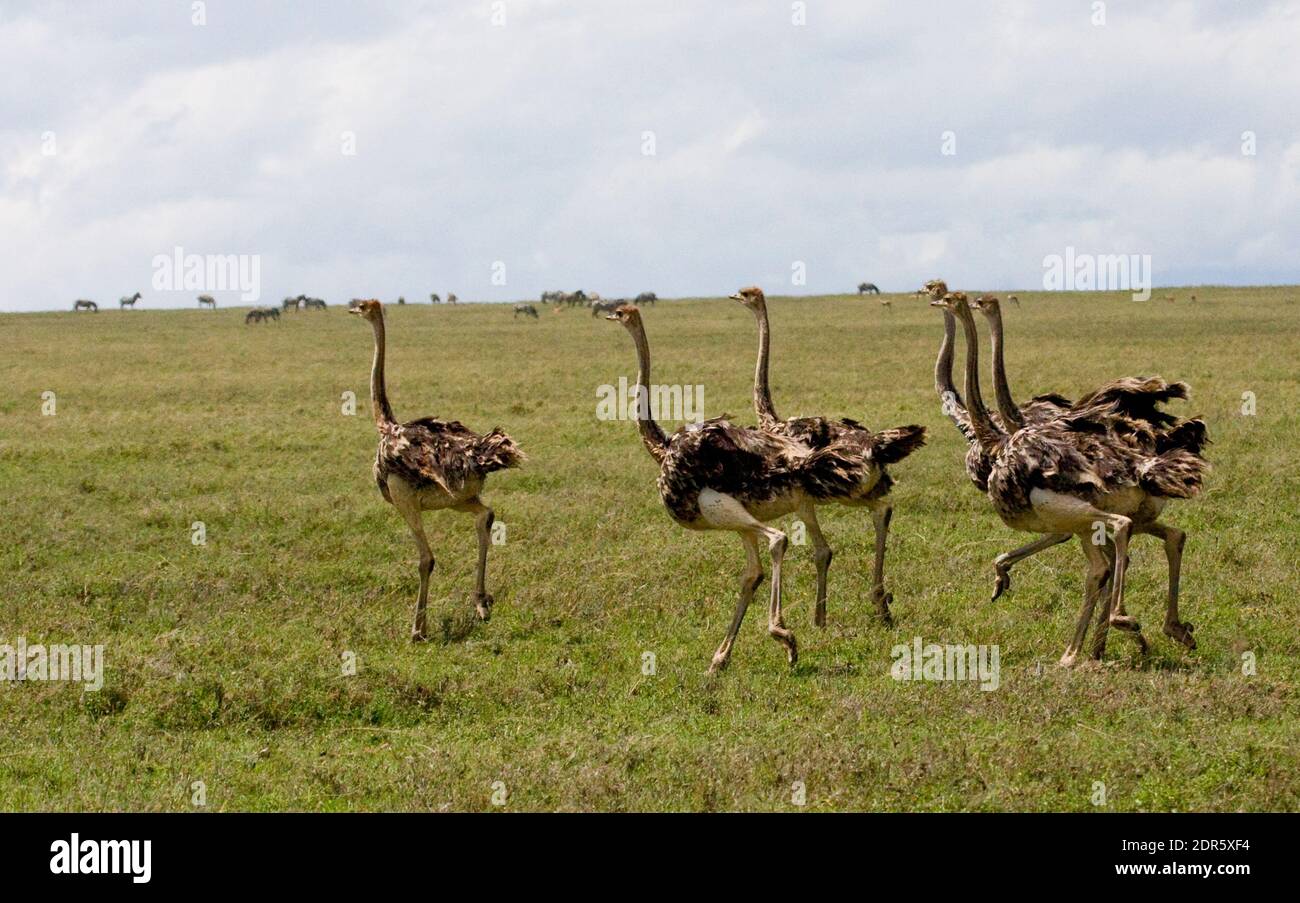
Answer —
1102 469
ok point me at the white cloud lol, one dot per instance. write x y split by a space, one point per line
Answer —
774 143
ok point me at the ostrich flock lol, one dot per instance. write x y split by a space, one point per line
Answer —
1101 468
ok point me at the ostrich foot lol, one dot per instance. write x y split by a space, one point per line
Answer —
883 601
1181 631
819 614
719 663
483 603
786 638
418 634
1125 622
1069 659
1002 582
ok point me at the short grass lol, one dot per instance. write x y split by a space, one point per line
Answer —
224 660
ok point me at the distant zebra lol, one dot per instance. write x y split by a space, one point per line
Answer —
551 297
868 288
123 303
646 298
207 301
527 310
451 297
401 299
602 307
85 305
313 304
271 313
576 299
256 315
291 302
434 298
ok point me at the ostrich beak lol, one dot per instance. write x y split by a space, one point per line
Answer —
735 296
938 302
611 316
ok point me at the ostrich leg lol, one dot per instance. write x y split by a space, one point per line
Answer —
1173 538
749 582
881 514
822 555
1002 564
1098 567
483 600
1122 527
410 510
776 542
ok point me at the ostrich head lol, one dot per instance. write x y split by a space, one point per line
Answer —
951 301
751 296
371 310
985 304
935 288
626 314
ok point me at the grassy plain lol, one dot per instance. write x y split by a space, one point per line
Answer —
224 660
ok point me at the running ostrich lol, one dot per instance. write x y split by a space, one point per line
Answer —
429 465
1119 402
83 304
129 301
1071 473
207 301
527 310
873 451
716 476
868 288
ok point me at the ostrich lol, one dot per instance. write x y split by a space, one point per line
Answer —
125 302
1071 473
872 451
83 304
434 298
527 310
646 298
868 288
429 465
716 476
1119 402
207 301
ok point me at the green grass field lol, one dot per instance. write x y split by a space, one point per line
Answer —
224 661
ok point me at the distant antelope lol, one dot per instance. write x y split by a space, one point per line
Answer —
123 303
1014 300
207 301
527 310
85 305
1170 298
886 303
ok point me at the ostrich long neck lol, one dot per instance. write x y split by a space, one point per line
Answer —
943 365
762 391
986 432
1011 415
378 394
652 435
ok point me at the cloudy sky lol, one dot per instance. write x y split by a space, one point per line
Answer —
685 148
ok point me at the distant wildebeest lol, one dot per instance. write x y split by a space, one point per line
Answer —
291 302
451 298
85 305
602 307
576 299
526 309
401 299
123 303
868 288
646 298
434 298
207 301
313 304
256 315
271 313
